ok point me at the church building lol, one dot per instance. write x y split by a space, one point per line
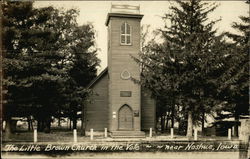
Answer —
117 103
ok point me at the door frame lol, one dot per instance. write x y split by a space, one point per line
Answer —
125 105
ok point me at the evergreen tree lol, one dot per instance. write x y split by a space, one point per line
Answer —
184 68
41 61
234 83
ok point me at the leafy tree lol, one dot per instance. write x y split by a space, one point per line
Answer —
184 68
83 70
43 50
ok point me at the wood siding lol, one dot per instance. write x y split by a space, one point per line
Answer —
106 101
119 59
97 108
148 110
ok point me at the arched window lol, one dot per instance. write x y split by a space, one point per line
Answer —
125 34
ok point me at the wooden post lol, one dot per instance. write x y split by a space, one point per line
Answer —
233 131
195 134
150 132
244 137
172 133
105 132
35 135
75 135
229 134
91 134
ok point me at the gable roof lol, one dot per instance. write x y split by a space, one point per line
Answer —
95 80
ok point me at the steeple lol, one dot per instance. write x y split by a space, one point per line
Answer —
123 24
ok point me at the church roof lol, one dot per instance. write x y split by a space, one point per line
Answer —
95 80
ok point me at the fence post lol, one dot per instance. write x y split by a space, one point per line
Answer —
229 134
35 135
195 134
75 135
105 132
91 134
172 133
150 132
233 129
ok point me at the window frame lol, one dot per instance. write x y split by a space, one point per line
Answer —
126 35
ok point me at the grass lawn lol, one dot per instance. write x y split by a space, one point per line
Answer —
63 134
54 136
67 136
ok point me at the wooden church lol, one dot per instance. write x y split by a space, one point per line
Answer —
117 103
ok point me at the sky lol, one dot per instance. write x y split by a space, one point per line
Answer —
95 12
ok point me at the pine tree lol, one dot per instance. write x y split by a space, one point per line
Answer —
234 83
184 68
42 56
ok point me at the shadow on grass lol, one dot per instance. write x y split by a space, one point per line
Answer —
56 135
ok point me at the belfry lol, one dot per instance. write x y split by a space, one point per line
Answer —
117 103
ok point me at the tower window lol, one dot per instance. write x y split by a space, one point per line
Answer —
125 34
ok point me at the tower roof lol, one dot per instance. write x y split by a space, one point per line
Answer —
124 11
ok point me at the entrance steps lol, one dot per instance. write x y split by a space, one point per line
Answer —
128 134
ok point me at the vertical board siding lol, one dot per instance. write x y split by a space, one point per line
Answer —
119 59
97 108
106 98
147 110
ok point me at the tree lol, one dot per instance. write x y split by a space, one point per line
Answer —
42 55
14 15
184 67
83 70
234 83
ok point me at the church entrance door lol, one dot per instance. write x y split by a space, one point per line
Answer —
125 118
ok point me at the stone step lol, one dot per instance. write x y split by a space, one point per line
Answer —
124 137
125 134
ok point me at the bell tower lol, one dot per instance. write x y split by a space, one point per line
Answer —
123 24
